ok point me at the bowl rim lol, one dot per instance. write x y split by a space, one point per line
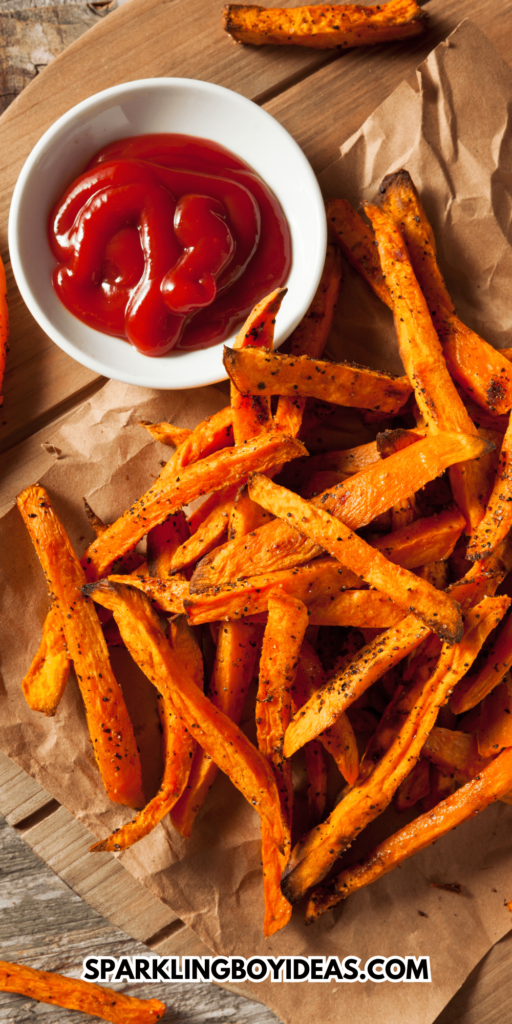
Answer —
197 377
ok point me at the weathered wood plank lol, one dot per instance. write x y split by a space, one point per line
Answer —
486 996
43 923
331 105
30 38
20 796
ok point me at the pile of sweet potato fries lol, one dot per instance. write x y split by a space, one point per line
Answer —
362 587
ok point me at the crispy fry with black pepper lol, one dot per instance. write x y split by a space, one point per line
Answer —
325 26
47 676
74 994
108 722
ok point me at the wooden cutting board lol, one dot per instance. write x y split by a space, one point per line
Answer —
321 99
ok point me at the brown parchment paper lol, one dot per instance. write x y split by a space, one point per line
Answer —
452 131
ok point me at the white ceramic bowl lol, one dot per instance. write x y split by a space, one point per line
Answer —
138 108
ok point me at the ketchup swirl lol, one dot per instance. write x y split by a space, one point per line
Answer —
168 241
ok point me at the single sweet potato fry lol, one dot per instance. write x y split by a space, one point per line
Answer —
310 336
497 520
218 736
473 688
490 784
357 502
251 413
47 676
246 515
357 241
341 690
237 650
168 493
479 368
434 608
210 436
423 359
108 722
166 433
255 371
282 640
162 543
325 26
495 725
179 750
74 994
431 539
415 787
313 856
168 594
338 739
209 534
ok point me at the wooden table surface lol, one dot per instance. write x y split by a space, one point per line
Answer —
52 913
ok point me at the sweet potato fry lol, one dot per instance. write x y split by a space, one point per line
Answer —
472 689
162 543
108 722
207 536
495 726
211 435
168 493
4 325
74 994
415 787
312 857
324 26
357 501
47 676
423 359
254 371
166 433
489 785
431 539
310 336
246 515
179 750
357 241
479 368
218 736
237 650
338 739
435 609
340 691
317 781
284 633
168 594
454 752
497 520
251 413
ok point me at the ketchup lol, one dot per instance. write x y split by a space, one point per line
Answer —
168 241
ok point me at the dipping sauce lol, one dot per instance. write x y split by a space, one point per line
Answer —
167 241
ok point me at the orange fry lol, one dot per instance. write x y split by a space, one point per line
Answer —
497 520
495 726
47 676
257 372
207 536
472 689
211 435
479 368
109 726
162 543
168 493
490 784
338 739
310 336
237 650
357 241
357 501
434 608
74 994
166 433
325 26
251 413
340 691
284 633
218 736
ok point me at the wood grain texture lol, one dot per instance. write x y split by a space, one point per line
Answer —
45 924
31 37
